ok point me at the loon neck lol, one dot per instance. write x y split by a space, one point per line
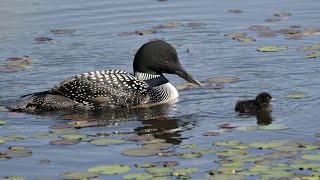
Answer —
153 80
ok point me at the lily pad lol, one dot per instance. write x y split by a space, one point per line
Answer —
60 126
186 146
138 176
267 34
168 25
196 24
222 79
60 131
106 141
13 178
65 142
247 128
159 171
236 34
231 152
211 133
2 122
184 171
274 127
264 145
154 141
16 153
2 141
273 19
78 175
145 32
227 126
227 143
259 28
126 33
16 137
82 124
63 31
283 14
311 157
42 39
189 155
158 146
244 39
141 152
73 136
234 11
112 169
297 95
313 55
315 47
42 135
272 48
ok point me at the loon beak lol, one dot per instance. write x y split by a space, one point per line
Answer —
183 74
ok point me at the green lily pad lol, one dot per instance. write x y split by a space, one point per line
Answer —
141 152
229 170
184 171
186 146
160 178
227 143
2 122
236 34
60 131
313 55
112 169
3 109
138 176
303 166
284 14
274 127
272 48
264 145
164 164
196 24
311 157
244 158
189 155
297 95
259 168
205 150
168 25
248 173
65 142
13 178
2 141
158 146
16 148
244 39
78 175
42 135
16 153
106 141
154 141
277 174
16 137
231 152
73 136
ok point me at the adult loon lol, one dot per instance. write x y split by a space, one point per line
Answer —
113 88
260 104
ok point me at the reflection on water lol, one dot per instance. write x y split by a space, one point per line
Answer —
264 118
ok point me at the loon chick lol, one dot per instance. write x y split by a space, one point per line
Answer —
113 88
260 104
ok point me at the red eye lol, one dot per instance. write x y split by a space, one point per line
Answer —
165 60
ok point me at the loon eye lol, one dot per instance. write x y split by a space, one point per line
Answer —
165 60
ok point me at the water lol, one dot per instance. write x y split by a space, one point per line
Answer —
96 45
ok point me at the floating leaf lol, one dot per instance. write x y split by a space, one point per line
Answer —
222 79
63 31
273 19
141 152
164 164
196 24
276 174
159 171
244 39
188 155
73 136
231 152
154 141
168 25
313 55
112 169
45 161
139 138
235 11
290 31
274 127
65 142
267 34
186 146
2 141
65 130
82 124
227 143
2 122
184 171
259 28
42 135
311 157
284 14
227 126
13 178
126 33
60 126
16 137
138 176
215 86
205 151
264 145
145 32
16 153
158 146
247 128
168 153
297 95
78 175
43 39
310 31
235 35
106 141
272 48
212 133
315 47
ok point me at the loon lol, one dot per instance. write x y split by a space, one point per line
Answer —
116 88
260 104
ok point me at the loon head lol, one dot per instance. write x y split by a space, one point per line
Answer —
158 57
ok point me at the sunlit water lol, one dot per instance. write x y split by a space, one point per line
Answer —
96 45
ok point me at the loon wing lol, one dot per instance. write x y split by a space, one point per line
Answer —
103 88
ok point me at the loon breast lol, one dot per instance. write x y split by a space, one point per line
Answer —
105 88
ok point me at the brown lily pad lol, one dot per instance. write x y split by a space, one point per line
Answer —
259 28
267 34
273 19
65 142
196 24
222 79
234 11
227 126
215 86
43 39
126 33
60 126
212 133
145 32
244 39
63 31
142 152
283 14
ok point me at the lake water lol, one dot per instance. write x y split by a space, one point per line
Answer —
205 52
